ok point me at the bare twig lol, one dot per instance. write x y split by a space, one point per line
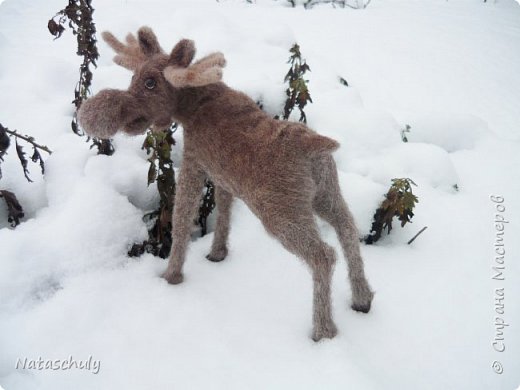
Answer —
417 235
26 138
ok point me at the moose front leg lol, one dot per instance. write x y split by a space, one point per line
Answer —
189 188
219 249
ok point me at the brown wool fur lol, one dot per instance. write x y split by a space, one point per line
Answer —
282 170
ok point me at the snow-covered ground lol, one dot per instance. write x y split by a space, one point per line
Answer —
449 69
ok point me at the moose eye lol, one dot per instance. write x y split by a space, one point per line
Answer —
150 83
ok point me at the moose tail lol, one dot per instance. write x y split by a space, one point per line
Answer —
315 144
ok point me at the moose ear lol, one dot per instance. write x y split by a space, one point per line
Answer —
207 70
182 54
148 41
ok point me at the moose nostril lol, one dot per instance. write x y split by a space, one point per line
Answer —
138 120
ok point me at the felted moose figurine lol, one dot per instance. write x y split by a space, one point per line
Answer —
283 171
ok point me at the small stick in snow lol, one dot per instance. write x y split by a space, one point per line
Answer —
417 235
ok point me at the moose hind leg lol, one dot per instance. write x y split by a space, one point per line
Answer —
362 294
322 266
330 205
219 249
301 237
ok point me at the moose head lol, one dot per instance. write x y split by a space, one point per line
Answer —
153 94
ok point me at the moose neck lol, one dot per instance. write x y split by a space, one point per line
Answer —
192 99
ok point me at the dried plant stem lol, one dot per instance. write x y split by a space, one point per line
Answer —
26 139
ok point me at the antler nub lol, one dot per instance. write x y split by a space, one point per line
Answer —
131 54
207 70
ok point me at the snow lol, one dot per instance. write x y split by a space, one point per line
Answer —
450 131
448 69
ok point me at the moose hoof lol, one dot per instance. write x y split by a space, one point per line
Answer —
363 304
217 255
173 278
362 308
326 332
362 296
